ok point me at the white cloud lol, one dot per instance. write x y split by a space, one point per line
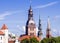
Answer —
2 16
24 28
46 5
54 30
56 17
18 26
7 13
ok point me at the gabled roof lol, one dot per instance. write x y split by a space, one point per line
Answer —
4 27
1 33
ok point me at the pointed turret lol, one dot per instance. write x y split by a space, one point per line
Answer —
30 13
39 29
4 27
48 31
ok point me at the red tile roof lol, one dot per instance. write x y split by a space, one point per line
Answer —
11 41
1 33
24 37
27 37
4 27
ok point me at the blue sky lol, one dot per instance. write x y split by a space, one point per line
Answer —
14 14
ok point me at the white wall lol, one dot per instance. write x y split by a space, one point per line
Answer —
1 38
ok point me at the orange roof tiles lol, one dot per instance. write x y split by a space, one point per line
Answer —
24 37
11 41
27 37
4 27
1 33
37 38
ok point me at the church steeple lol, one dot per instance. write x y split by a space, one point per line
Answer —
30 25
30 13
39 29
48 31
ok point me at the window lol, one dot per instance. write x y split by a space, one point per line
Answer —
0 38
31 34
32 29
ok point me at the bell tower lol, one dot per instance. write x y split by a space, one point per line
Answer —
30 25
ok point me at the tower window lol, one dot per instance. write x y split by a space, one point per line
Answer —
31 34
32 29
0 38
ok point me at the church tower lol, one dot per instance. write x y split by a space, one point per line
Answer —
48 31
40 29
5 30
30 25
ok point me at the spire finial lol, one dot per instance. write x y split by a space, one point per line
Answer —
30 2
39 16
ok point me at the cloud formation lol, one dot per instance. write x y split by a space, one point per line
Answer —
7 13
24 28
56 17
3 15
46 5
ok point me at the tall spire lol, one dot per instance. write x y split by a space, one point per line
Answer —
48 31
30 12
39 23
30 25
39 29
48 23
30 6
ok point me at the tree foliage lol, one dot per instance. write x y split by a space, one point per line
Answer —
31 40
45 40
51 40
25 41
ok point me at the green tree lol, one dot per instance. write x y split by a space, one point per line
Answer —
51 40
33 40
48 40
25 41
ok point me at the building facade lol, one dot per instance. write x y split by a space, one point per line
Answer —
30 25
4 34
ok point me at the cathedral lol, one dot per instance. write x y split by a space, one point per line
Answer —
31 28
